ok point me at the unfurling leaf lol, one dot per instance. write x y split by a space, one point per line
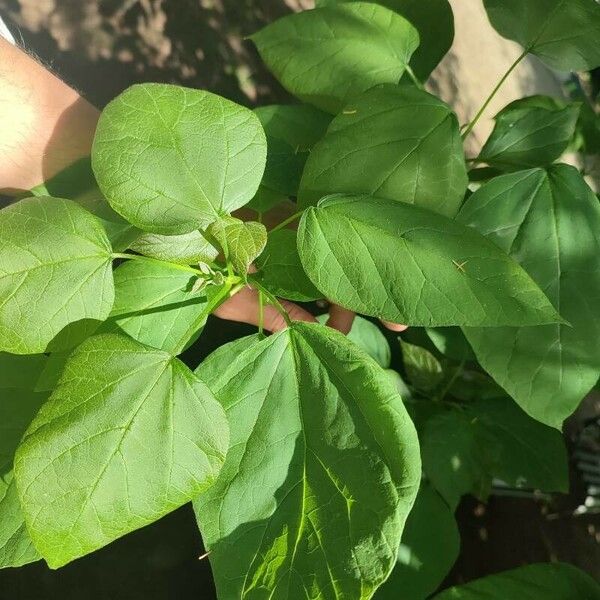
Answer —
409 265
55 270
133 433
313 495
328 55
240 241
549 222
171 159
393 142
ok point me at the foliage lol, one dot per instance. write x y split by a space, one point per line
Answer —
304 451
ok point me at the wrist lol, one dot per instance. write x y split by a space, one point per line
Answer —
45 125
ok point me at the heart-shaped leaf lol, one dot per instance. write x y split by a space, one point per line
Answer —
409 265
134 435
171 159
55 269
313 495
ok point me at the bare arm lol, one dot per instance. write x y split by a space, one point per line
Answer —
44 124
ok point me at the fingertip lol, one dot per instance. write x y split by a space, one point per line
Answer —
396 327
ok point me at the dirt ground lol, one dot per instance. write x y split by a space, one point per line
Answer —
103 46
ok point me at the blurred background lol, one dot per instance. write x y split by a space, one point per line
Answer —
101 47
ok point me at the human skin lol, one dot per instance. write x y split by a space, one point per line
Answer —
45 126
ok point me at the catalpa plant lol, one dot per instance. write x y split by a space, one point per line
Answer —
300 450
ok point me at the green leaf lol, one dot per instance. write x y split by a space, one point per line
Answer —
281 270
422 368
20 372
429 548
435 23
77 183
313 495
530 132
409 265
459 455
326 56
133 435
155 306
368 337
17 409
532 455
394 142
291 130
185 249
171 159
240 241
557 581
55 269
265 199
451 342
549 222
563 33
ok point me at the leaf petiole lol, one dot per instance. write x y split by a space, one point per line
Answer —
272 300
479 114
155 261
287 221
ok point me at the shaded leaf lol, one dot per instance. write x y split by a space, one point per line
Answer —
17 409
562 33
409 265
328 55
394 142
530 132
134 435
172 159
429 548
281 270
291 130
459 455
451 342
532 455
337 477
549 222
368 337
422 368
20 372
557 581
55 269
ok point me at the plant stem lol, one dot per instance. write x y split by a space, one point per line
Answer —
492 95
156 261
451 381
412 75
261 312
272 300
287 221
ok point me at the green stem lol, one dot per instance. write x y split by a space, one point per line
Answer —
413 77
156 261
287 221
261 312
492 95
272 300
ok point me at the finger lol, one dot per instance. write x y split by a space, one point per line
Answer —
340 318
395 326
244 307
